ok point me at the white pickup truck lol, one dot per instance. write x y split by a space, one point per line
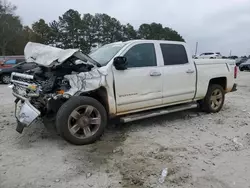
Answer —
122 81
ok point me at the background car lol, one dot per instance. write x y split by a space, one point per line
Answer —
240 61
11 62
210 55
5 73
245 66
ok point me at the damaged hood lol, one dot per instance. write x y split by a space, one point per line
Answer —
49 56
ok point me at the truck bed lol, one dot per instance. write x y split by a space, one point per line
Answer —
213 68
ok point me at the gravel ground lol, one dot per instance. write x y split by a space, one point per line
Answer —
200 150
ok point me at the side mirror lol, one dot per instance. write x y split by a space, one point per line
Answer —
120 63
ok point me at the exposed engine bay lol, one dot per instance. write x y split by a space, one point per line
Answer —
58 76
48 85
51 79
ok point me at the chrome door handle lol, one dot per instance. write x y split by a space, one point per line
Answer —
190 71
155 74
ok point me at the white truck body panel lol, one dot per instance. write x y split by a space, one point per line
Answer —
136 90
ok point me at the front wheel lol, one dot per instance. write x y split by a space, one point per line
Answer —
81 120
214 99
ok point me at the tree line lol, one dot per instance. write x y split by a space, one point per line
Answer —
73 30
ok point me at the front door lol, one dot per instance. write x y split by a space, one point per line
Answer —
140 86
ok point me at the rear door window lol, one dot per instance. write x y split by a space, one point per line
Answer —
174 54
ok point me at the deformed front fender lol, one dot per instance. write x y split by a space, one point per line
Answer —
93 84
104 97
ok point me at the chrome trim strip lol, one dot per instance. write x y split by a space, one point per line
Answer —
22 83
27 76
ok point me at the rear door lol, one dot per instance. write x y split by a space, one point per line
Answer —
179 74
140 86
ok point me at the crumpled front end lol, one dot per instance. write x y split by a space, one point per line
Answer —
59 75
23 89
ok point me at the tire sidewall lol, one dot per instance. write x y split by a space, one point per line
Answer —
206 104
65 111
2 78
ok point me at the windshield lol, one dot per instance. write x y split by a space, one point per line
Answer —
105 53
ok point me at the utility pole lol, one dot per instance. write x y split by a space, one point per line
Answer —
230 54
196 48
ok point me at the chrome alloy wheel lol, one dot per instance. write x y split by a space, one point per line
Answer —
216 99
84 121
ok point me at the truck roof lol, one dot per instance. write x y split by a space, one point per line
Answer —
145 40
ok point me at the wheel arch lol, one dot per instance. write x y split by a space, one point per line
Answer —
99 94
222 81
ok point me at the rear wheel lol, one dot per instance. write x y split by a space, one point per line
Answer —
214 99
81 120
5 79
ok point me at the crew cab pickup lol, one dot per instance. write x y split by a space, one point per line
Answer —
122 81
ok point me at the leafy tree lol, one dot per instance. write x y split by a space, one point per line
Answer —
73 30
10 25
89 33
129 32
42 31
109 29
155 31
70 23
16 47
55 37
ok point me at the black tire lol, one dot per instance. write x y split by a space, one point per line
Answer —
241 69
207 104
65 111
5 78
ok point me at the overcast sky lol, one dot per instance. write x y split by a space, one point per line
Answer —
218 25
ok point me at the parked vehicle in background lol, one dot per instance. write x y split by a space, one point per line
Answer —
11 62
210 55
5 74
245 66
5 58
240 61
123 81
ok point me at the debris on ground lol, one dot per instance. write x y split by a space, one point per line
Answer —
164 174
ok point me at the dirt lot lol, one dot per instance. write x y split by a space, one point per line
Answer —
200 150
